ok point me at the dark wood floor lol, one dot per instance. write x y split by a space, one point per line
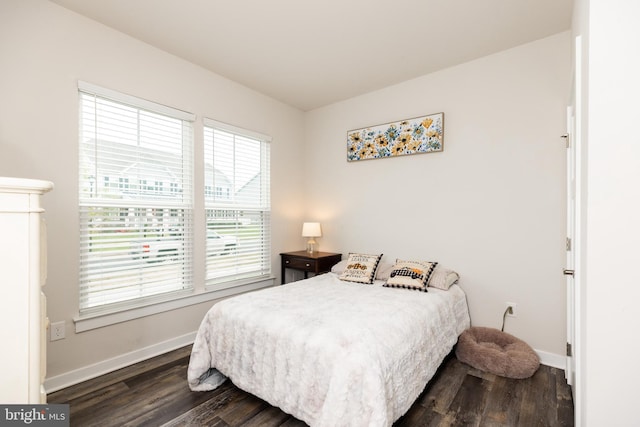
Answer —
155 393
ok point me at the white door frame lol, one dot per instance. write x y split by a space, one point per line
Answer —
574 365
570 245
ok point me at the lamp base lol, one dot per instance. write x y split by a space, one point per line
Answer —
312 245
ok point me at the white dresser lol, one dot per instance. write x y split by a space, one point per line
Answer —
23 270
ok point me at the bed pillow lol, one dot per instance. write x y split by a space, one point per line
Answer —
339 267
443 278
384 270
411 275
361 268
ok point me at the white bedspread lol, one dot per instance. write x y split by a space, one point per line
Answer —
331 353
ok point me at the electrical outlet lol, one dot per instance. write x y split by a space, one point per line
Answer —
57 331
514 309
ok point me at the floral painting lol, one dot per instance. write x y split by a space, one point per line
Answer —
412 136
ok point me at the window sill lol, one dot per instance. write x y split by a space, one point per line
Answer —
99 320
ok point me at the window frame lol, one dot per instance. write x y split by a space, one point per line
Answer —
263 207
95 200
199 292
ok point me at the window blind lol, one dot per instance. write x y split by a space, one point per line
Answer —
135 198
237 202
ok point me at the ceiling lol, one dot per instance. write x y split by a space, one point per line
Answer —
310 53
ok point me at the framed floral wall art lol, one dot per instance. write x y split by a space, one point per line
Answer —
412 136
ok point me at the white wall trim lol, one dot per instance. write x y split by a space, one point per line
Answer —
104 367
552 359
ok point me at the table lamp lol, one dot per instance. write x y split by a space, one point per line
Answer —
311 230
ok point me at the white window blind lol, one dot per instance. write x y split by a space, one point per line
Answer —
135 197
237 203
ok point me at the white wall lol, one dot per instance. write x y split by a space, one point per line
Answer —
491 205
608 375
44 51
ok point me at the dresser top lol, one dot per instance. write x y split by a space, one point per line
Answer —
23 185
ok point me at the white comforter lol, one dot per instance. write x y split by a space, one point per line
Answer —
329 352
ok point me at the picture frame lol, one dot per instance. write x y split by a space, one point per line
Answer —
418 135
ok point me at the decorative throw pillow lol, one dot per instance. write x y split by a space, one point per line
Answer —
443 278
361 268
411 275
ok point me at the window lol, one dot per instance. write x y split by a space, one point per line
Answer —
136 228
238 211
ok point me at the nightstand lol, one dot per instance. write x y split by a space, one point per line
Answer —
317 262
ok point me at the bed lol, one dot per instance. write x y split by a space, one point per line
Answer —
328 351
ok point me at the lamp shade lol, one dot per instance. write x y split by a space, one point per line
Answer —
311 229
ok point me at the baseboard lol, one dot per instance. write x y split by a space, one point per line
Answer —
92 371
552 359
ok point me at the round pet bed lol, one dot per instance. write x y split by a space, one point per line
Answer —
497 352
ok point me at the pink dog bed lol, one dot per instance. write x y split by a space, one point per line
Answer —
497 352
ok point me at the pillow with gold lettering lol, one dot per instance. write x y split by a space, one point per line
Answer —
361 268
411 275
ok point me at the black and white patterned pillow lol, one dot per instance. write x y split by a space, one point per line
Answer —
411 275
